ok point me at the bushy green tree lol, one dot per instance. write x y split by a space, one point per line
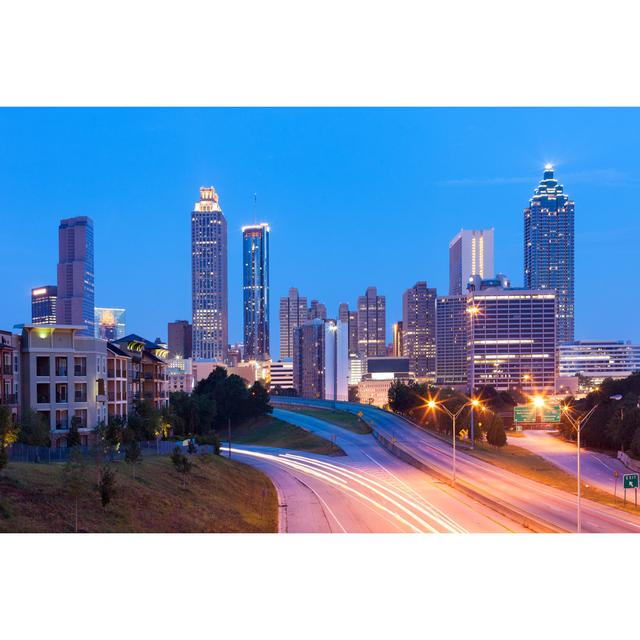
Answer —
496 435
106 484
34 429
133 455
73 437
182 464
258 401
634 448
145 420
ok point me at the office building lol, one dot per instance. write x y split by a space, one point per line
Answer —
398 348
235 354
281 374
209 295
180 339
255 286
351 318
470 254
317 310
372 334
180 376
599 359
549 248
511 336
451 341
43 304
293 313
76 279
419 330
381 372
63 379
321 359
110 323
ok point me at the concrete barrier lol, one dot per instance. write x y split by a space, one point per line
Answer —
634 465
535 524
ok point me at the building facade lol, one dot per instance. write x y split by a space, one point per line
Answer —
549 248
10 372
317 310
419 330
180 339
470 254
511 337
209 292
255 288
63 378
321 360
43 304
451 341
110 323
281 374
293 313
372 317
599 359
76 279
118 367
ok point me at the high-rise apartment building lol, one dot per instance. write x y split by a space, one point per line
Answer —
317 310
470 254
451 341
209 294
321 359
110 324
255 286
293 313
43 304
180 339
419 330
372 334
511 337
549 248
76 279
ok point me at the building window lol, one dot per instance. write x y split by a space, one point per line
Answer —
62 419
43 392
80 394
42 366
61 393
79 367
80 418
61 367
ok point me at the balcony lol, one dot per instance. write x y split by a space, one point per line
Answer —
80 372
7 369
11 398
80 397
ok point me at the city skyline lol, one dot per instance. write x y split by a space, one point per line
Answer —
592 188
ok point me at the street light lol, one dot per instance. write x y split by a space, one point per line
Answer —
433 405
578 423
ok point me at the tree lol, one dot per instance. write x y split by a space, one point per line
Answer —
111 432
74 472
145 420
496 435
353 394
34 429
9 430
634 448
4 458
133 455
106 484
182 464
73 437
258 401
231 399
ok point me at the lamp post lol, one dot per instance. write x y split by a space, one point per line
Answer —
432 404
578 423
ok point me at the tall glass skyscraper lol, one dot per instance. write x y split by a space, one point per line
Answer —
76 280
419 329
255 287
209 303
549 248
293 313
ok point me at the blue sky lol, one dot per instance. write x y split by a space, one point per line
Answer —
354 197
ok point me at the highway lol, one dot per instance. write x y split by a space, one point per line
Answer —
366 491
596 469
545 504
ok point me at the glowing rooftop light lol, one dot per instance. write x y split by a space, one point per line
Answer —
548 167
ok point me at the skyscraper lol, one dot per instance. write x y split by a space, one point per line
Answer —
110 323
317 310
419 329
351 318
209 295
372 334
451 340
293 313
398 348
549 248
76 283
180 339
43 304
255 286
470 254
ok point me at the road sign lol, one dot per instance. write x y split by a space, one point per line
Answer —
550 413
630 480
524 413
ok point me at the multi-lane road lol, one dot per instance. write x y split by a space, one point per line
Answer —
366 490
545 505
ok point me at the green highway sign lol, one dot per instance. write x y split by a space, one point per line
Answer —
524 413
630 480
550 413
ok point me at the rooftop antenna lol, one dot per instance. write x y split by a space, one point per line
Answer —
255 198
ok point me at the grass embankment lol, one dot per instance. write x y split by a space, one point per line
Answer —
268 431
220 496
530 465
344 419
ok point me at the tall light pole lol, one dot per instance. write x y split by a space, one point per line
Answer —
578 424
432 404
473 310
